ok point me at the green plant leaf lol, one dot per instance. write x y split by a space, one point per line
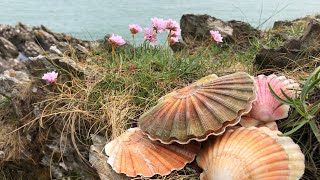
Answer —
277 97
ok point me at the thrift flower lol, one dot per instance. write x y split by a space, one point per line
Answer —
172 25
134 28
50 77
116 40
176 33
173 40
150 35
158 24
216 36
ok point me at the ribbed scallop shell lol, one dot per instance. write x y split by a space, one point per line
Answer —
249 122
133 154
250 154
267 108
203 108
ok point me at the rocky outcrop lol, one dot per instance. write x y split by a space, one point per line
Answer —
19 44
293 53
300 21
195 28
25 54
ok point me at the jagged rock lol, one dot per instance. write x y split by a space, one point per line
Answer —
293 53
17 86
37 66
7 49
197 27
278 25
281 24
22 43
310 40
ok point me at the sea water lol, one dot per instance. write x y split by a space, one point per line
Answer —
93 19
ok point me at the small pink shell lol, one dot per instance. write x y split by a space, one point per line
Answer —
267 108
133 154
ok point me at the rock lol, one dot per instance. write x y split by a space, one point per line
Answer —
7 49
281 24
196 28
278 25
22 43
178 46
293 53
17 86
310 40
37 66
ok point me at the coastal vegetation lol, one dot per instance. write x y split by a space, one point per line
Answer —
114 83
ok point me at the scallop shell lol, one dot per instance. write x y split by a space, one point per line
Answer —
249 122
134 154
203 108
267 108
251 153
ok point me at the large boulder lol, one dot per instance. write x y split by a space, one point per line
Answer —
195 28
293 53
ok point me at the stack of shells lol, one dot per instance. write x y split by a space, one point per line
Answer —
237 111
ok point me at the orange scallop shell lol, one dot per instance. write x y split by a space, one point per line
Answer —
133 154
251 153
203 108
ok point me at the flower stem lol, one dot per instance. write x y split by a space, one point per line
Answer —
134 50
113 52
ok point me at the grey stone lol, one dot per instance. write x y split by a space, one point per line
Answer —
293 53
195 28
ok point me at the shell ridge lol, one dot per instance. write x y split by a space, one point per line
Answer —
213 111
200 113
215 98
179 120
171 112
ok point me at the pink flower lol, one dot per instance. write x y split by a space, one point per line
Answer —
134 28
150 35
50 77
216 36
116 40
173 40
176 33
158 24
172 25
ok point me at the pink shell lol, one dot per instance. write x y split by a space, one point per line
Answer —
267 108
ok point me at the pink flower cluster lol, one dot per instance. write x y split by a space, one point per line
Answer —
116 40
134 28
50 77
216 36
150 35
159 25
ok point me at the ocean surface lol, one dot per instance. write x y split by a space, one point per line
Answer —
93 19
